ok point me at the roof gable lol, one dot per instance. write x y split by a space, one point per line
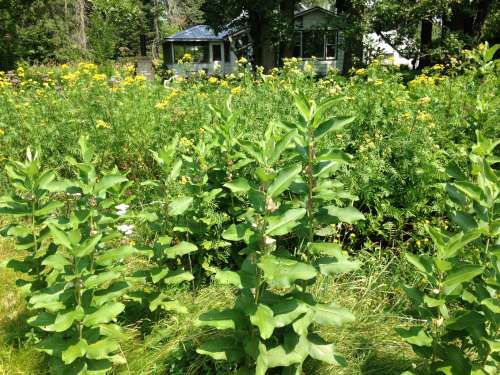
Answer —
199 33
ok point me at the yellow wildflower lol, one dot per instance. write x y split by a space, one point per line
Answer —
71 77
187 58
202 95
184 180
186 142
2 132
424 100
140 78
181 79
213 80
128 81
360 71
99 77
242 61
236 90
20 72
224 83
100 124
424 116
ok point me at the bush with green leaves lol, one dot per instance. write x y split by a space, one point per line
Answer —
270 324
77 248
459 298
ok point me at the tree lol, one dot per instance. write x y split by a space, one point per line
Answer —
270 24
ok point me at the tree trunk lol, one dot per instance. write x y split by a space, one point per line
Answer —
264 52
353 35
425 43
287 9
81 20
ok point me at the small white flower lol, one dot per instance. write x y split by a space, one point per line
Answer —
121 209
126 229
269 240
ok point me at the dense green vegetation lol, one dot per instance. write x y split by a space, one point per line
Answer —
252 221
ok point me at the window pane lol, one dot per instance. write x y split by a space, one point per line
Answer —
331 50
313 44
297 42
199 53
217 52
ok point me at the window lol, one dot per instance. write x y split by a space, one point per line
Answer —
216 52
318 43
313 44
199 52
227 52
297 44
331 44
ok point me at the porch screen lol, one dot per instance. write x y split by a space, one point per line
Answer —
199 52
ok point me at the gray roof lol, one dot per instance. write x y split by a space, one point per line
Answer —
199 33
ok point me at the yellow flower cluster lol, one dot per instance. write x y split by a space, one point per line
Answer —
423 80
424 100
242 61
2 132
166 101
20 72
424 116
185 142
360 72
99 77
186 59
236 90
71 77
100 124
213 80
87 67
4 82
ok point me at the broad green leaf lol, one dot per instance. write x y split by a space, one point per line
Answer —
466 320
225 319
280 225
157 274
178 276
96 280
111 294
415 336
493 304
49 208
458 242
471 190
326 248
119 254
179 206
461 275
330 125
279 357
280 147
222 349
328 266
348 215
263 318
105 314
324 352
53 345
108 182
102 348
335 155
302 105
332 314
164 302
240 185
237 232
56 261
60 237
283 273
65 320
420 262
283 180
74 352
179 250
229 278
87 247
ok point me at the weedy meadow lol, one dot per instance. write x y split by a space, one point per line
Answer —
253 223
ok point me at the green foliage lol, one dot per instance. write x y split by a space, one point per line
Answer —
273 316
73 269
458 299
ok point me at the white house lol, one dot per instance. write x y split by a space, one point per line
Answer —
317 35
317 40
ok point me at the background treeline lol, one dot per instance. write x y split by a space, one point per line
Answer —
38 31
